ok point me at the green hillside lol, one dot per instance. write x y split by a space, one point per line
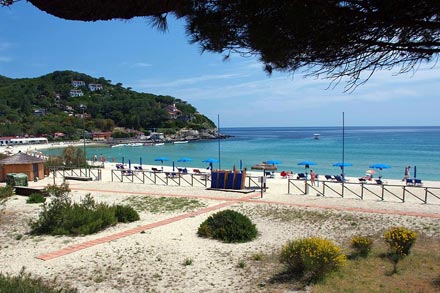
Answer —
45 105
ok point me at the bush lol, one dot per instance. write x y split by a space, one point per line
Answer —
228 226
24 283
57 191
62 217
312 257
362 245
36 198
126 214
6 191
399 240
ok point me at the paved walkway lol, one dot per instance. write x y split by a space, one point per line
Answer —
226 201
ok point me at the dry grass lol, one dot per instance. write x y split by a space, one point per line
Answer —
418 272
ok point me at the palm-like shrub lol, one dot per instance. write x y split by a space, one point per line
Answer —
228 226
312 257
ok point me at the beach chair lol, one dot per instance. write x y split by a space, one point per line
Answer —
409 181
155 169
301 176
196 171
329 177
417 182
379 181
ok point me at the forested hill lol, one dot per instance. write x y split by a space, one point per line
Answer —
53 103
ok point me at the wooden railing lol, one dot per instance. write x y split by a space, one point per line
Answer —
384 192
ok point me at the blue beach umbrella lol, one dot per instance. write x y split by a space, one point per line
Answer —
380 167
210 160
306 164
184 159
140 161
273 162
415 172
161 159
129 164
340 164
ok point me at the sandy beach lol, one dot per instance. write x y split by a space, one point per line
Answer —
150 256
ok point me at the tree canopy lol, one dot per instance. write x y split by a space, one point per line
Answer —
44 105
335 39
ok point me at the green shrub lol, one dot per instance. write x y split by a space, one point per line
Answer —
312 257
399 240
228 226
126 214
25 283
62 217
6 191
36 198
362 245
57 191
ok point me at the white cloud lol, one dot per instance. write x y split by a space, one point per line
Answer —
142 64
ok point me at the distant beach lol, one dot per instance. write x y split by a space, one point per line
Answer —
397 147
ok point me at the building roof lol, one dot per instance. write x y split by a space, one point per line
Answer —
20 158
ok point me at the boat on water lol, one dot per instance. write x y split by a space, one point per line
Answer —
316 135
136 144
159 144
118 145
180 141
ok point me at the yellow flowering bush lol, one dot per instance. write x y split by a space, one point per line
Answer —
362 245
400 240
312 257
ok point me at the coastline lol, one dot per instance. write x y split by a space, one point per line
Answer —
153 258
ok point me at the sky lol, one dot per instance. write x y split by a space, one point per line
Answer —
238 91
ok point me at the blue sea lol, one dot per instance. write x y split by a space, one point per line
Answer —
363 146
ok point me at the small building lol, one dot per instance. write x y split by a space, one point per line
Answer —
102 135
78 83
95 87
76 93
173 111
32 166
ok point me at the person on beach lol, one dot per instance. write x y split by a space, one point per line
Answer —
406 173
312 177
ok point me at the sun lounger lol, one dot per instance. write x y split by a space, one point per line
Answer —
418 182
155 169
338 178
171 174
301 176
379 181
329 177
409 181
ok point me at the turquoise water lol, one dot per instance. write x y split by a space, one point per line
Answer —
394 146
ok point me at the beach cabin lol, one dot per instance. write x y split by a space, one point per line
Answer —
32 166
